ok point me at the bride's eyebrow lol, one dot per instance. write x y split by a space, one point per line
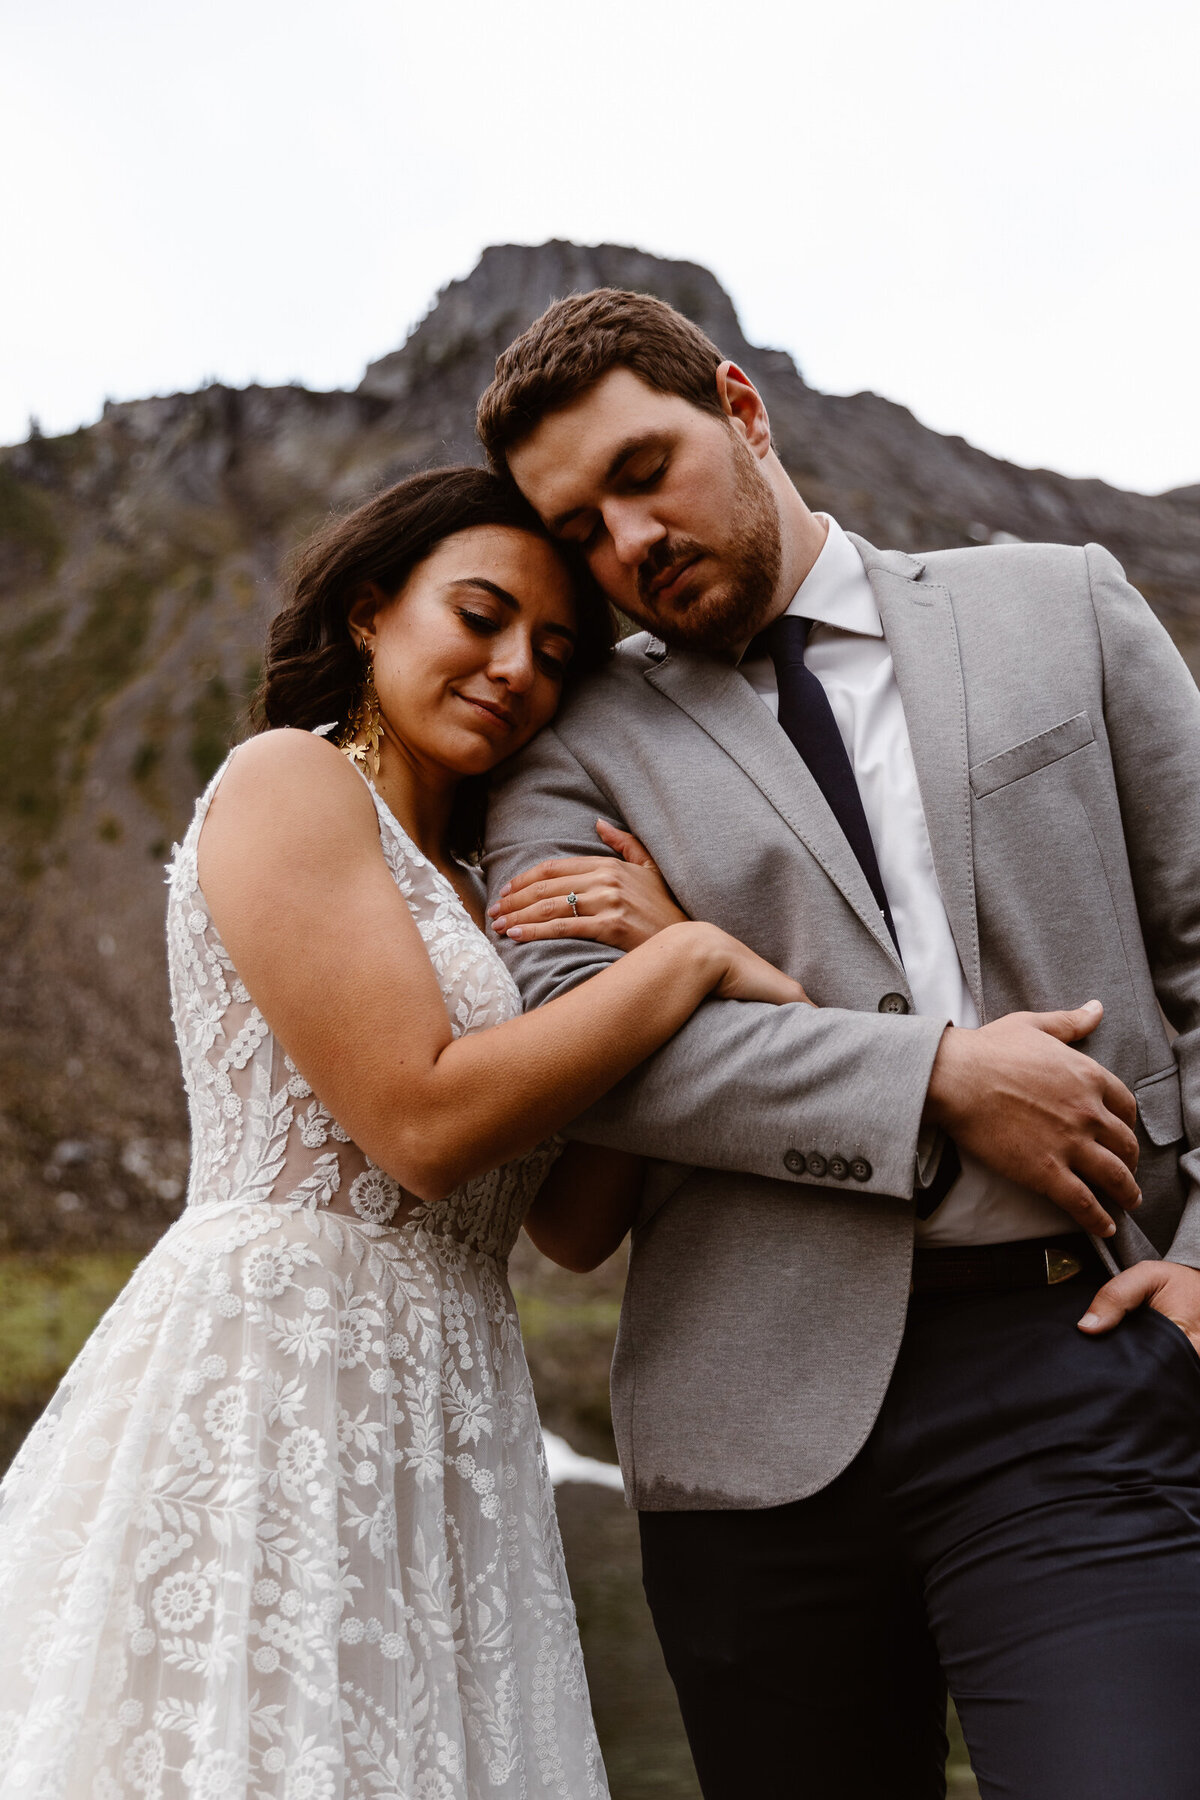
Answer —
489 587
509 600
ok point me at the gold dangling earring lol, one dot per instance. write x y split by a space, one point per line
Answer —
362 734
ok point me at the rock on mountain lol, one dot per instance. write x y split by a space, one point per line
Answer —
138 566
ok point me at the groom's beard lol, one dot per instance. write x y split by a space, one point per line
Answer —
724 614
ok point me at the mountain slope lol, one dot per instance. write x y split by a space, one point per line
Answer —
138 567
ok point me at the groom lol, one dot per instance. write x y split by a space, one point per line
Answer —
946 792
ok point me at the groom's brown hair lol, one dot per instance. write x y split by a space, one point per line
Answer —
578 340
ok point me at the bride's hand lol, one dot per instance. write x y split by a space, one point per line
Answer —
749 976
620 900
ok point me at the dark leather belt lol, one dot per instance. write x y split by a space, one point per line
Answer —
991 1268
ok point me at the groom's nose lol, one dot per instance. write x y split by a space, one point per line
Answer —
633 530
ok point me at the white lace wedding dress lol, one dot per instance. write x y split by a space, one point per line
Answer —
285 1531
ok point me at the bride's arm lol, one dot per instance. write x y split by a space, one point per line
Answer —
590 1199
621 900
291 868
586 1205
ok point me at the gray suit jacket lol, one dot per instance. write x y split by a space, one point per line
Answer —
1056 735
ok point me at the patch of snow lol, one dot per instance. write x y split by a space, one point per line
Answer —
566 1464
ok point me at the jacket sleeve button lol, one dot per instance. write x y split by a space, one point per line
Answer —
839 1168
861 1169
816 1165
893 1003
794 1162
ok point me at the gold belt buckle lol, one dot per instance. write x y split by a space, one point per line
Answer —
1060 1266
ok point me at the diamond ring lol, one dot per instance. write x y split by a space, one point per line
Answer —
573 903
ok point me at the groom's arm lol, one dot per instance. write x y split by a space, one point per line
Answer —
1152 717
742 1086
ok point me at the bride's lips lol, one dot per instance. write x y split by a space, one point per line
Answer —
488 709
667 585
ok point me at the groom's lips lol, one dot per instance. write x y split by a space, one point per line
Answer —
667 585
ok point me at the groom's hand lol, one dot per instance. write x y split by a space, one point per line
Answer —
1170 1288
1014 1094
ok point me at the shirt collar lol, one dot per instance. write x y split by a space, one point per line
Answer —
837 590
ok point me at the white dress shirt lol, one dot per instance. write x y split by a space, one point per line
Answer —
848 654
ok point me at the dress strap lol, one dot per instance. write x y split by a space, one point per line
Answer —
206 798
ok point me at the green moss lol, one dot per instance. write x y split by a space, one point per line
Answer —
106 646
145 760
52 705
28 525
47 1311
33 634
541 1317
212 719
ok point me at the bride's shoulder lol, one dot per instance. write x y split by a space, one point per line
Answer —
287 773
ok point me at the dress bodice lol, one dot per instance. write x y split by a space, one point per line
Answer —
259 1133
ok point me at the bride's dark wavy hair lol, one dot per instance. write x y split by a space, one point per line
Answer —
311 667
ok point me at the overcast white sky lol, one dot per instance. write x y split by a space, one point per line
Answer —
988 212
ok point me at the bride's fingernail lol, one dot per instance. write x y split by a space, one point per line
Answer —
506 889
516 932
499 923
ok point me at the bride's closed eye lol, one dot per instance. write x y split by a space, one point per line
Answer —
553 666
478 622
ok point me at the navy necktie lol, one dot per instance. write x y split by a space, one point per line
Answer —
807 717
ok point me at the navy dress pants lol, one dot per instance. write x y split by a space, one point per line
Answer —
1023 1524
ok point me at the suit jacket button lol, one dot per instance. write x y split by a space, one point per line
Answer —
893 1003
839 1168
794 1162
816 1165
861 1169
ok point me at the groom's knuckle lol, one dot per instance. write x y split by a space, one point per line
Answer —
1047 1166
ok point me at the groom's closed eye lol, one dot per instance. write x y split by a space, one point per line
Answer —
641 482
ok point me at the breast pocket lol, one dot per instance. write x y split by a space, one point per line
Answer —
1160 1106
1035 753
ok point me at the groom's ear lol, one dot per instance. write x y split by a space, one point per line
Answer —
743 406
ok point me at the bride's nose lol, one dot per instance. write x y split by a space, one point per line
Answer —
512 662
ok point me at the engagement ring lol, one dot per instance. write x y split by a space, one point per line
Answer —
573 903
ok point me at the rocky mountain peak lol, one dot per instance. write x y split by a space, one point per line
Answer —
473 319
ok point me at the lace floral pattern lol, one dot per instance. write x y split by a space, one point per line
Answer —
285 1531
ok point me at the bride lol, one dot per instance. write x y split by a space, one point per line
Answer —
285 1531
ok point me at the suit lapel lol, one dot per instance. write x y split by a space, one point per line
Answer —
918 623
717 698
